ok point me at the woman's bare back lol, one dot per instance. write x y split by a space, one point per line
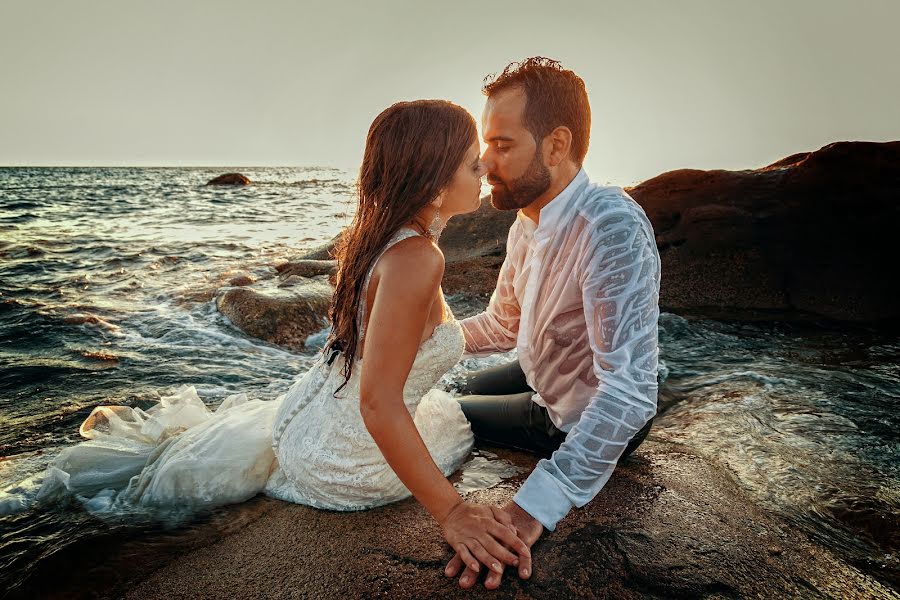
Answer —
439 311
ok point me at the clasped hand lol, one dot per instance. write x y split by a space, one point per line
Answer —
479 533
485 535
527 530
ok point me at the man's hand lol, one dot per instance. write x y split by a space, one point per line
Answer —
478 536
526 527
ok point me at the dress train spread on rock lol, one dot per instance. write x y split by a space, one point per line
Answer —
308 446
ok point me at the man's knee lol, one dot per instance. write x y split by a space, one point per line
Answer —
503 420
498 380
485 414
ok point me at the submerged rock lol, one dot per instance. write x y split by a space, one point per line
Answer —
291 280
229 179
241 278
808 236
89 319
306 268
282 318
323 252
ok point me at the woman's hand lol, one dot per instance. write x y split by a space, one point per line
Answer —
474 532
523 524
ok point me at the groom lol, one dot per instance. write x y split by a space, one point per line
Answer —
577 296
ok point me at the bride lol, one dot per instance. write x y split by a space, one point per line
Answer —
362 427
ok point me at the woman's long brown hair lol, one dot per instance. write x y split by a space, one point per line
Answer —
413 150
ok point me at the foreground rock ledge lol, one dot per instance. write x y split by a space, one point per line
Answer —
668 524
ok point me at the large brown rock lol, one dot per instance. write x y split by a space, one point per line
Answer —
285 318
809 236
479 233
474 246
805 238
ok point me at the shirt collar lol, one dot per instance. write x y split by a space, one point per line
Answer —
554 210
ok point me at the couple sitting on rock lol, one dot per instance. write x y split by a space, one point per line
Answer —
577 297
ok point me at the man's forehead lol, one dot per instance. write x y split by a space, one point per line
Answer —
503 112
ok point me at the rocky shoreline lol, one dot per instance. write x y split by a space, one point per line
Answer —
807 238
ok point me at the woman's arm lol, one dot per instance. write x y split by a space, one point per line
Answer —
407 288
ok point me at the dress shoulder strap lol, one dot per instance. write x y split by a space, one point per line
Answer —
402 234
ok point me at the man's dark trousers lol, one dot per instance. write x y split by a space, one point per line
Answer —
497 402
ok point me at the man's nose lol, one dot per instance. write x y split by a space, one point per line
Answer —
488 160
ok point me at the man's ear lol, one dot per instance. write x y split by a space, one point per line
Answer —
558 145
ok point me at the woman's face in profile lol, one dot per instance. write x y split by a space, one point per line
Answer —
463 194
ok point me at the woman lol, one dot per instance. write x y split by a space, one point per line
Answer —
362 427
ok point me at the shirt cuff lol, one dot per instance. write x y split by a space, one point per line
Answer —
542 498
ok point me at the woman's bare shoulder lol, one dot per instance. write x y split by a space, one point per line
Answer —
415 257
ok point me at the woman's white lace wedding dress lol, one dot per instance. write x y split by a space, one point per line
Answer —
306 446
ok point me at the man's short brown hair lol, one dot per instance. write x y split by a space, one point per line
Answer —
554 97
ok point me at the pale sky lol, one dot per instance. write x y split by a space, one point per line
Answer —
672 84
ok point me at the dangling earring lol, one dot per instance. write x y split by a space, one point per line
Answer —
436 227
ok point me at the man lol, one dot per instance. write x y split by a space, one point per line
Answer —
577 295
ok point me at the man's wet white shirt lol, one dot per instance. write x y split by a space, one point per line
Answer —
578 297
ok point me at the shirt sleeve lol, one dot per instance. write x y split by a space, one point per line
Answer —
620 291
496 329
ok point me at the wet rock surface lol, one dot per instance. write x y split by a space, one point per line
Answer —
241 279
668 524
804 238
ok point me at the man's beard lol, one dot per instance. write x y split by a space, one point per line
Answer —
524 190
